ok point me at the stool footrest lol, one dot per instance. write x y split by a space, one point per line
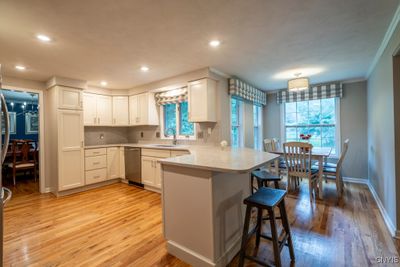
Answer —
282 242
255 259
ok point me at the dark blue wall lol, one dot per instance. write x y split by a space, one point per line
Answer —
20 130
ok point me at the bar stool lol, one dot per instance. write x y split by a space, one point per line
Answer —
267 199
263 177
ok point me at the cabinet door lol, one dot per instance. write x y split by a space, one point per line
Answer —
142 109
69 98
70 149
120 110
89 109
113 162
158 179
122 162
202 100
133 110
148 171
197 98
104 110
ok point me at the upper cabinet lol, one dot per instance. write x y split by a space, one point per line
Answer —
143 110
97 109
69 98
202 97
120 110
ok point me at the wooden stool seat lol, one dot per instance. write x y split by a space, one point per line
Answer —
267 199
263 177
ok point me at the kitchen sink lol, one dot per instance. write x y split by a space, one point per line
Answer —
165 145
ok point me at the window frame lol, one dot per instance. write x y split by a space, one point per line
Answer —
337 127
178 126
240 120
259 127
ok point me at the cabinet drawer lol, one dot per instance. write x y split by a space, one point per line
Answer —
97 162
158 153
175 153
95 152
95 176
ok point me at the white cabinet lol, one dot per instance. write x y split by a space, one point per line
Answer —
113 163
149 170
70 149
89 109
97 109
120 110
104 110
202 95
143 110
122 162
69 98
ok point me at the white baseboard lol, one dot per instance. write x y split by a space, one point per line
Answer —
356 180
47 190
389 224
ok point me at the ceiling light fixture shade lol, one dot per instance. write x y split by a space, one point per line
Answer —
298 84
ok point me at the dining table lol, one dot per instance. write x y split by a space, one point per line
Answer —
319 154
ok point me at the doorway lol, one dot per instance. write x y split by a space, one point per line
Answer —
22 165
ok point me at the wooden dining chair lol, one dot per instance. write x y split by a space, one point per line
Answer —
23 157
269 145
335 169
298 163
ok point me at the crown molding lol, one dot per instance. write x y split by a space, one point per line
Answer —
392 26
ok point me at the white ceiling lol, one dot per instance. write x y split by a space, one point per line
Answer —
108 40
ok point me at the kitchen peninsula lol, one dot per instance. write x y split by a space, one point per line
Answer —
202 195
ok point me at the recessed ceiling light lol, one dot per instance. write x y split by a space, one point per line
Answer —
43 38
19 67
214 43
103 83
144 68
305 72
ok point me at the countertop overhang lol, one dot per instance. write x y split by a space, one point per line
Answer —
212 158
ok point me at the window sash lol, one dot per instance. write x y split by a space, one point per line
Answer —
336 125
179 136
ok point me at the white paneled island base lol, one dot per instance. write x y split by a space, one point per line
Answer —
203 209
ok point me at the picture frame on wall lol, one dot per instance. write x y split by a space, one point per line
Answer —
31 123
13 122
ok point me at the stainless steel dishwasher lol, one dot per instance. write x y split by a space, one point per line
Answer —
133 170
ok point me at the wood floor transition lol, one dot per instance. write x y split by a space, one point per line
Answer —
120 225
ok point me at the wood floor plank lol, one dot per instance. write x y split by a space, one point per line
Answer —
121 225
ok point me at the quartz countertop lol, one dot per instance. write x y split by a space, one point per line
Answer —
152 146
211 158
214 158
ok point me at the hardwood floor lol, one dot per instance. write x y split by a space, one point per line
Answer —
120 225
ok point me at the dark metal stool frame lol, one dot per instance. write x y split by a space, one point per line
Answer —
278 245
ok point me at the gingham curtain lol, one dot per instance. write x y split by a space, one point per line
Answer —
172 96
242 90
319 91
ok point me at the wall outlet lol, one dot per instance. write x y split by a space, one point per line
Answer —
141 134
158 134
200 135
101 136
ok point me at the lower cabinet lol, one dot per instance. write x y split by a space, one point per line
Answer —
95 176
151 172
113 166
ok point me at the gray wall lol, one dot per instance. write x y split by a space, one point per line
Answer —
353 125
381 132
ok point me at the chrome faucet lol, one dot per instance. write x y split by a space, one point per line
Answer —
174 140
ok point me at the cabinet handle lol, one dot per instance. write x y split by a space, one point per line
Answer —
115 121
96 163
81 144
96 177
94 120
98 120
